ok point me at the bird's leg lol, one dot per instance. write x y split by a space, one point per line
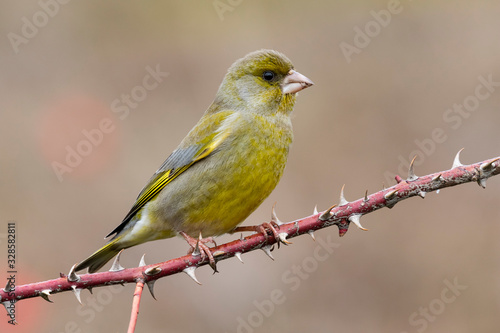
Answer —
263 228
198 247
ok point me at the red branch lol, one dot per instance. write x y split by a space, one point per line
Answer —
135 306
341 216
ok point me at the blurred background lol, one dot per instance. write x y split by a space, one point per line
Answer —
84 124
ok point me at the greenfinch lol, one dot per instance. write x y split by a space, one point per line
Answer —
226 165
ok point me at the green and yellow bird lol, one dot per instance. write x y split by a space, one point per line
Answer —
226 165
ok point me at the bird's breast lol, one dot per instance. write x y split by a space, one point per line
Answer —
219 192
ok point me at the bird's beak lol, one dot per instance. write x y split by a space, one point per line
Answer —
295 82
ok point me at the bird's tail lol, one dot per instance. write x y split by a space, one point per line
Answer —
101 256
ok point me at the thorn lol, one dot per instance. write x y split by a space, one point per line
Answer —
143 261
274 217
9 303
267 250
241 236
482 182
489 165
411 171
196 251
77 292
283 236
422 194
45 295
218 253
343 201
238 255
151 286
152 270
9 287
398 179
311 233
456 162
343 227
390 195
90 290
190 272
327 214
315 211
366 197
72 276
116 267
435 179
354 218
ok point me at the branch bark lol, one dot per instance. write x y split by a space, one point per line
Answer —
341 216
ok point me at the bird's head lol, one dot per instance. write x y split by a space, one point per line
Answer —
263 81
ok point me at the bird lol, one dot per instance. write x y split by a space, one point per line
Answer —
225 167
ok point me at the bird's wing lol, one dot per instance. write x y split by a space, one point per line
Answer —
191 150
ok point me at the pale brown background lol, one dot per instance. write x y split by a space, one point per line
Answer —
352 127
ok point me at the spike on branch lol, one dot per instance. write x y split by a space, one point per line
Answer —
153 270
391 194
355 218
116 267
267 250
456 161
327 214
151 287
143 261
342 200
190 272
411 171
45 295
238 255
437 178
72 276
283 236
274 217
77 292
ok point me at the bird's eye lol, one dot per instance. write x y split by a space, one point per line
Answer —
268 75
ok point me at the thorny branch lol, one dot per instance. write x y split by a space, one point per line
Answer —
341 216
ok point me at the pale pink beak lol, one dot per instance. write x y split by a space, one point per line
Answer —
295 82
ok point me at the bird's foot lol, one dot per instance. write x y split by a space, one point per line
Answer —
198 247
265 228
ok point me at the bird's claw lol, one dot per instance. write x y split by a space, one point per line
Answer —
263 228
199 247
